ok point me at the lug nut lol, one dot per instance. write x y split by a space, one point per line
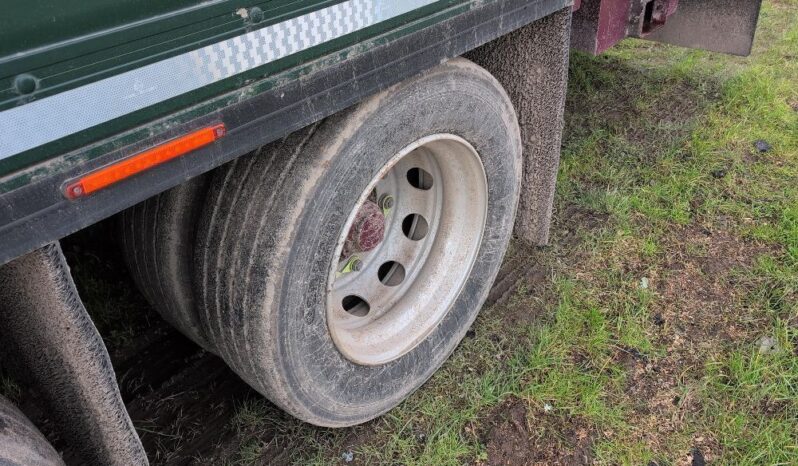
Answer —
356 265
386 202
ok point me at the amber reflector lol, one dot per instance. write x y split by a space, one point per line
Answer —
138 163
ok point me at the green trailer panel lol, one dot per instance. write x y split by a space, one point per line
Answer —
55 105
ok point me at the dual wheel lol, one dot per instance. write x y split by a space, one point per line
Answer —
336 270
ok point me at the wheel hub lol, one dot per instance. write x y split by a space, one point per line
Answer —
368 230
407 249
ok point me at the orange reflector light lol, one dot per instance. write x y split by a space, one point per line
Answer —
116 172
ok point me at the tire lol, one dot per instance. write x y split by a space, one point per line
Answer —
157 238
21 444
271 231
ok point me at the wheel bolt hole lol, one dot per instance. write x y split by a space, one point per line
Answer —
356 306
415 227
419 178
391 273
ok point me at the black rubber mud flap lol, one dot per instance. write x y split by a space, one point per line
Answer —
725 26
51 341
531 64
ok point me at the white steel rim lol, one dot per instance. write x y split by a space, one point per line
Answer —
409 282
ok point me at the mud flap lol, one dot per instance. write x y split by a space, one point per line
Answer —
725 26
49 338
531 64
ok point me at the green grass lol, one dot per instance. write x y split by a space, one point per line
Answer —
9 387
650 321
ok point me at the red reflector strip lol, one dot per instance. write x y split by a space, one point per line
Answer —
121 170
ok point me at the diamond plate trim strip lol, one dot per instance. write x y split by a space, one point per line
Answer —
52 118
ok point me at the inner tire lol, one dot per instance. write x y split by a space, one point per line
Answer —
269 237
157 239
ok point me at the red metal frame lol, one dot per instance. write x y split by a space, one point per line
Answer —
720 25
600 24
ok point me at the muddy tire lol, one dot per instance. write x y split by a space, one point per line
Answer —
270 241
21 444
157 238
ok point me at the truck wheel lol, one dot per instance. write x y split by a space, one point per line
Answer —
21 444
157 238
338 269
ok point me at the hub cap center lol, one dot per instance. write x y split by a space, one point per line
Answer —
368 230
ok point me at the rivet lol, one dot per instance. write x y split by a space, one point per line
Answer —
255 15
25 84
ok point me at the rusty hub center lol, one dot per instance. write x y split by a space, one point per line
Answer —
367 230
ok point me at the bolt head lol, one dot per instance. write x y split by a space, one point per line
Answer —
25 84
357 265
74 191
255 15
386 201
